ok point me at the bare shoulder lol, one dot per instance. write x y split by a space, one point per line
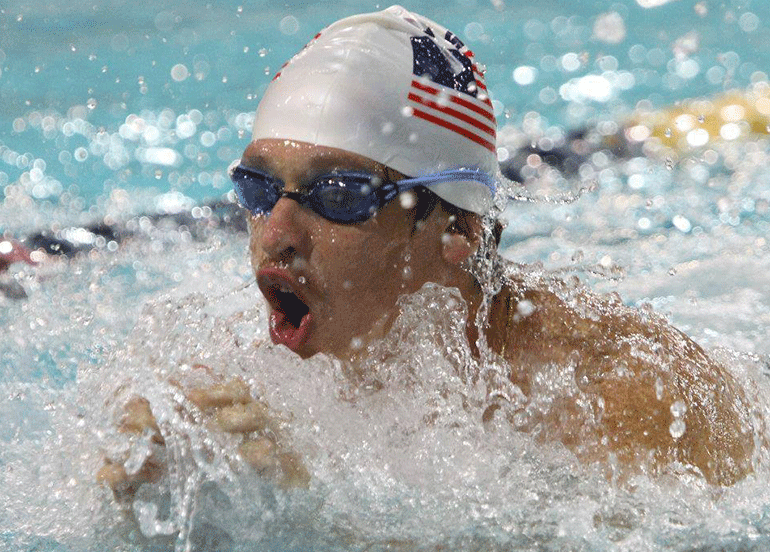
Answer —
655 397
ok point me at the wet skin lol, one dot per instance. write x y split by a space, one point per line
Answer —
347 277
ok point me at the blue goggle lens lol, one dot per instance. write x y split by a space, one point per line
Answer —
340 197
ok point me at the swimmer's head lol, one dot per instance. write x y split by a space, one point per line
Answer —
396 88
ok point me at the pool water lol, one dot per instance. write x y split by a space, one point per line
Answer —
116 112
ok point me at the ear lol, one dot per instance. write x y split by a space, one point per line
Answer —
460 239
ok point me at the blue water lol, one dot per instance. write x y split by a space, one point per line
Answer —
98 64
113 109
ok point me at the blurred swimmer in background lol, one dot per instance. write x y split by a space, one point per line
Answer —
11 251
372 171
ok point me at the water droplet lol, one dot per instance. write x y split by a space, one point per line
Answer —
407 200
678 408
578 256
80 154
667 133
701 119
179 72
677 428
524 308
289 25
658 388
302 280
356 343
91 103
406 273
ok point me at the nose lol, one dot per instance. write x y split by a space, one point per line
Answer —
286 232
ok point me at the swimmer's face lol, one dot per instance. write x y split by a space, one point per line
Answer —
333 287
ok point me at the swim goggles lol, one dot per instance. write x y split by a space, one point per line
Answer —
343 197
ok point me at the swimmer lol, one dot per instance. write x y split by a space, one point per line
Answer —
371 168
11 252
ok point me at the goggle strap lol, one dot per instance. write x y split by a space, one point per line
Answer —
450 175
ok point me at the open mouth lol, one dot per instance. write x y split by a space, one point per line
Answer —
292 307
290 315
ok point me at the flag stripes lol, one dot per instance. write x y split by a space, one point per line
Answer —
456 111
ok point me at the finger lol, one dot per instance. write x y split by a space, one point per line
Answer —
243 418
295 473
123 485
233 392
260 454
112 475
138 417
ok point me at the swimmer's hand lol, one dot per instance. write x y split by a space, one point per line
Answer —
233 410
230 408
137 419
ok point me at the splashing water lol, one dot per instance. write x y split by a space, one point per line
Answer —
400 457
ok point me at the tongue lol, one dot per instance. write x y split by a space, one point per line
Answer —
284 332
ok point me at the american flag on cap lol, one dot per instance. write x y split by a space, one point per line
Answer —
448 88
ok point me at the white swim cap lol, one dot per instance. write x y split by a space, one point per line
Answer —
397 88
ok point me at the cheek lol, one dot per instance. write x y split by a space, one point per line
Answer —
355 263
256 226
